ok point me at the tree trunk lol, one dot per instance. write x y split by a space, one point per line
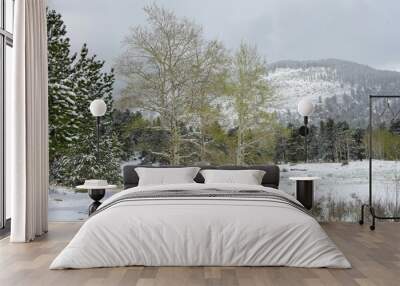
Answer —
175 144
239 147
203 148
203 141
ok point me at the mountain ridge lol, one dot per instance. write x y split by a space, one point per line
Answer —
339 88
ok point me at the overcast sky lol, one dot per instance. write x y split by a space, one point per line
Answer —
364 31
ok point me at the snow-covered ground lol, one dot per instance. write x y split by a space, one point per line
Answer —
65 204
344 181
338 182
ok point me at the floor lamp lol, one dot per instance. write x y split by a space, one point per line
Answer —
305 108
98 108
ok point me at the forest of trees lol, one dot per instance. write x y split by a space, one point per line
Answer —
185 100
329 142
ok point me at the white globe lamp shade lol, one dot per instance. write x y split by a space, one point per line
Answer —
98 107
305 107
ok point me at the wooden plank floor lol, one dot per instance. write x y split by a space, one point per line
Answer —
375 257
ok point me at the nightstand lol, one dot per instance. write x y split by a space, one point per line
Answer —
305 190
96 191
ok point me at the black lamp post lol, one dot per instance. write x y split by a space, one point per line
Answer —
305 108
98 108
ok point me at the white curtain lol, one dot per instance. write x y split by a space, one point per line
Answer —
26 123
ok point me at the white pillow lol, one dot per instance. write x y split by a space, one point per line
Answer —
248 177
166 176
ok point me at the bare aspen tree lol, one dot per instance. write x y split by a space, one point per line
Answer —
209 74
156 66
251 93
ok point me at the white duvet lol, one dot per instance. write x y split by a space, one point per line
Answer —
199 231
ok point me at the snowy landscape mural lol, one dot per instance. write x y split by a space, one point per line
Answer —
176 96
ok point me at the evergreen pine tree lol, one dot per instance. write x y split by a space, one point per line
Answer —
328 135
82 164
281 142
90 83
313 143
357 151
295 145
74 82
120 124
62 109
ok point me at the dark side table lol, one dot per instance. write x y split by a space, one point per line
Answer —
305 190
96 193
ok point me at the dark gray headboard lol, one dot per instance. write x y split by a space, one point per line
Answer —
270 179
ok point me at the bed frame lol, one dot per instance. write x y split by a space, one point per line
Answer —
270 179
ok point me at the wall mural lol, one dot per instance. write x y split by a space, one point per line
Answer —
185 99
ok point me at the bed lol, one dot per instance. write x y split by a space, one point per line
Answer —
201 224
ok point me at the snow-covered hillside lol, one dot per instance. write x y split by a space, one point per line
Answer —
292 84
340 89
